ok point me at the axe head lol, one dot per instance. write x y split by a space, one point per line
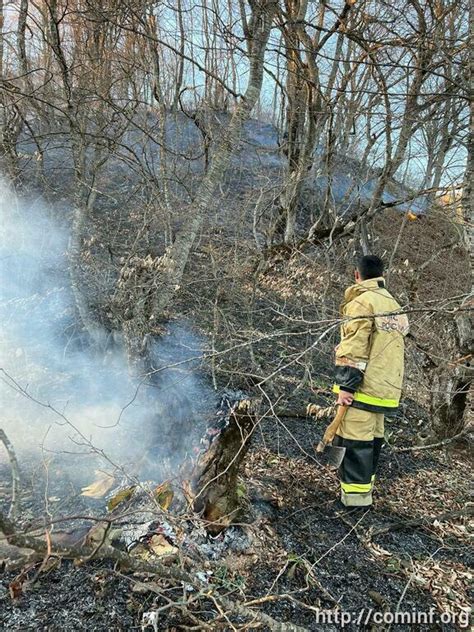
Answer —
330 454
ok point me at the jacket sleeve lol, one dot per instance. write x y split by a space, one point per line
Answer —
352 353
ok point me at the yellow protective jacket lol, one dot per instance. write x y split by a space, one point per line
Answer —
370 356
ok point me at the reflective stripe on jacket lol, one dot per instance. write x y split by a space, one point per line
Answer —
370 356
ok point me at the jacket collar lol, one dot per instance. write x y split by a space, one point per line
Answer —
359 288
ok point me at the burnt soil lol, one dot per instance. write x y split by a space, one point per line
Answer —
301 544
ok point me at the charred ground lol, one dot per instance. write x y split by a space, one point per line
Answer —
300 544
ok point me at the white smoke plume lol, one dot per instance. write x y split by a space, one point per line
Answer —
59 396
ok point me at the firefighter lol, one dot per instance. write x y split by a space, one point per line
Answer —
369 375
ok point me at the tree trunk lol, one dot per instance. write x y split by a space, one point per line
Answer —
452 397
170 267
75 273
215 487
451 401
174 260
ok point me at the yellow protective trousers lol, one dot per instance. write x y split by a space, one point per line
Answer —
361 433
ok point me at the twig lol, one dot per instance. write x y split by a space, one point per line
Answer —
317 583
14 511
221 612
46 557
99 545
410 579
353 528
275 626
155 588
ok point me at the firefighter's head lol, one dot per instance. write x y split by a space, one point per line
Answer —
368 267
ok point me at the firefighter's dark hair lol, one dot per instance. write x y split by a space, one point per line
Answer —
370 267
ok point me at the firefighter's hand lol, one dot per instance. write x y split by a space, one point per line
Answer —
345 398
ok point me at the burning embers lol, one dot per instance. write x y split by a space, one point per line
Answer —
149 520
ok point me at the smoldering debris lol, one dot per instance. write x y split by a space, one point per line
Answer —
58 394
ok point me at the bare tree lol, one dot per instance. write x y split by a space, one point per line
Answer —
169 268
370 103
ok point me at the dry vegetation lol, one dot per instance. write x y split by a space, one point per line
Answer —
184 189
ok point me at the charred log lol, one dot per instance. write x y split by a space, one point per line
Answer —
215 485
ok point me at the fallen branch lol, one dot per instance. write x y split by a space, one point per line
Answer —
423 521
320 412
239 609
311 410
275 626
126 561
14 511
439 444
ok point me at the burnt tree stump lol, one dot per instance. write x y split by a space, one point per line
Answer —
215 488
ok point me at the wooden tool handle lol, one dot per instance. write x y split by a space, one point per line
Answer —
332 428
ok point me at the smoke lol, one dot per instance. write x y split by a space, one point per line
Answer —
58 395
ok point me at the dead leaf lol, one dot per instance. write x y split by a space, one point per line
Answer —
120 497
16 587
99 487
141 551
160 546
188 492
164 495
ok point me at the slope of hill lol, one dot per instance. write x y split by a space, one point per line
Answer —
268 327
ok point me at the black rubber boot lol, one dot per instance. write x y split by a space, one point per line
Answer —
356 471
